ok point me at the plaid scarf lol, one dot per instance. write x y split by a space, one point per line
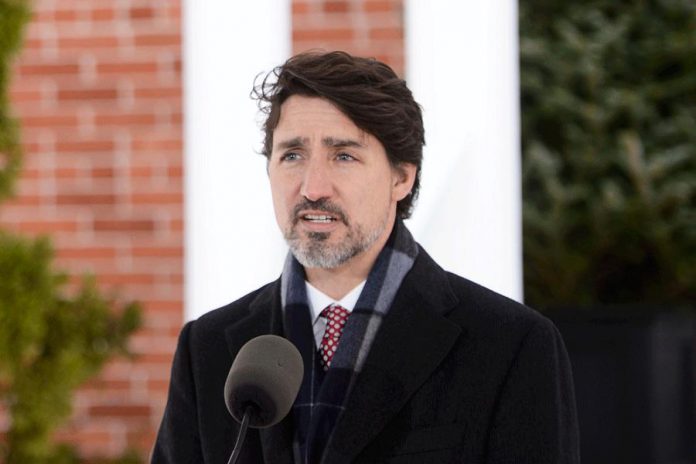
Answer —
322 394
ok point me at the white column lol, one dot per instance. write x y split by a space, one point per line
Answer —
232 243
462 65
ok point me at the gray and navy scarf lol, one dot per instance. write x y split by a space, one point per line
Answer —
322 394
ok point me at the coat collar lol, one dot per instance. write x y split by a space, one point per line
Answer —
393 370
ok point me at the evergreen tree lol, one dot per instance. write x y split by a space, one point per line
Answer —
13 15
608 91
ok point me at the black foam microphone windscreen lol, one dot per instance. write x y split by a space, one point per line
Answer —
264 379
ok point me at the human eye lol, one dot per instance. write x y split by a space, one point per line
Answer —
345 157
290 156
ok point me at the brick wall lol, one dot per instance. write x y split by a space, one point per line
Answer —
363 27
98 91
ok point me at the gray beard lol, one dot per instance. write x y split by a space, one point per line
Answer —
314 251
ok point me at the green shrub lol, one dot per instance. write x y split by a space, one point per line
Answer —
51 343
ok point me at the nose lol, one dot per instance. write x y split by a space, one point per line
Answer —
317 182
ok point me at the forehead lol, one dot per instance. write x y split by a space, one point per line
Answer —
305 116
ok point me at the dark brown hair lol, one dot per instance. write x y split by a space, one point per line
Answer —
367 91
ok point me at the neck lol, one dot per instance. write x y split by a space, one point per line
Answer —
337 282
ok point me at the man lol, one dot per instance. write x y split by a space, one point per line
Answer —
404 362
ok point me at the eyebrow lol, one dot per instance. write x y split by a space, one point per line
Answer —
331 142
291 143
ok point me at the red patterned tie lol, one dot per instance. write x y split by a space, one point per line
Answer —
335 321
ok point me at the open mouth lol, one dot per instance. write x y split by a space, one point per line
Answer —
318 218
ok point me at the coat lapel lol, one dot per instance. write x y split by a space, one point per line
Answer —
414 338
265 317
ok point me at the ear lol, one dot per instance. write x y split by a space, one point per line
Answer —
403 177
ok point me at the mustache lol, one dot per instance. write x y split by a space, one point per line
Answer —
323 205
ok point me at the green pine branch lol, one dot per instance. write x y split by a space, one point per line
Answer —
608 92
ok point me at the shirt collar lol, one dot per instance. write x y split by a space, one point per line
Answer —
318 300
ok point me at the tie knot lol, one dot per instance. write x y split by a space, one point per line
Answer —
335 312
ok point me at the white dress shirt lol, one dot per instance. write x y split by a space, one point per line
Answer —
318 301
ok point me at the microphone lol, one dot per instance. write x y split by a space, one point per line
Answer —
262 384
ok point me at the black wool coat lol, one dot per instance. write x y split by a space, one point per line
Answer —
456 374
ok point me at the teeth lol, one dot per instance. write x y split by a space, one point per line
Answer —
318 218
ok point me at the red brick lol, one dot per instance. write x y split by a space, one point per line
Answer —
172 307
175 172
46 226
52 121
374 6
176 118
153 144
87 145
387 33
300 7
87 94
159 358
159 198
141 13
127 279
159 92
336 6
141 171
67 172
101 384
65 15
47 69
142 439
85 253
85 199
175 252
120 410
127 67
176 225
125 119
102 172
124 225
158 385
103 14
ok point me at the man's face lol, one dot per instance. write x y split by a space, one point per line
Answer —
334 191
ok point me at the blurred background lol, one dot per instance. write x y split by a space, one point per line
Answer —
563 174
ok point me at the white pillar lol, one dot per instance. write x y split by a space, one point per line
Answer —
232 243
462 65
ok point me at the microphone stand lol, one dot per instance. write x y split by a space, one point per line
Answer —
240 437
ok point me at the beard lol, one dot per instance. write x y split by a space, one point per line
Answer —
314 249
